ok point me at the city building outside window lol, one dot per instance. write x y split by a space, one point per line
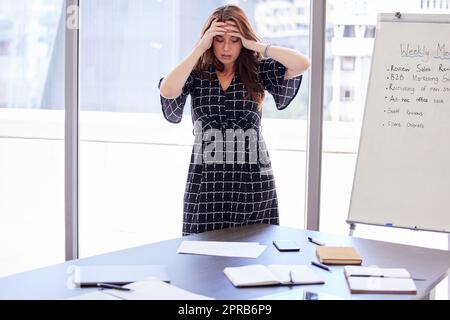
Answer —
347 94
348 63
349 31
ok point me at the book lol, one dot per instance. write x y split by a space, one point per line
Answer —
379 280
88 276
359 271
275 274
338 255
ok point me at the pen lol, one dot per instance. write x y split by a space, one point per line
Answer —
112 286
322 266
290 277
381 276
316 241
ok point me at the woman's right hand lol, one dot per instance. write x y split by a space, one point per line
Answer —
216 29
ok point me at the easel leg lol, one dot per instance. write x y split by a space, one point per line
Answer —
353 227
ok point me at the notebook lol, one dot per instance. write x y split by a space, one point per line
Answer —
338 255
379 280
275 274
86 276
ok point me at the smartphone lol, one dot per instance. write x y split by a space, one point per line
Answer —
308 295
286 245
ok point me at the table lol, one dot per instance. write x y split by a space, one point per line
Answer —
204 274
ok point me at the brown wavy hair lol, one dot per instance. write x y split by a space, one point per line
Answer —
248 60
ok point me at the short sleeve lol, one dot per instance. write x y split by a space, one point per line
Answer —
173 108
272 75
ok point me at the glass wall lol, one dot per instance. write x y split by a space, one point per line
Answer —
350 35
285 23
133 163
31 134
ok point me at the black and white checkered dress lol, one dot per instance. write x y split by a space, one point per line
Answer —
229 193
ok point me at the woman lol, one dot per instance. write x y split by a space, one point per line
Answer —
230 181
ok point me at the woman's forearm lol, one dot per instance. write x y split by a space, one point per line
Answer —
172 84
294 61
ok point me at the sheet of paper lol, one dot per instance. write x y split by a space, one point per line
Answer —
155 289
222 248
90 275
300 274
96 295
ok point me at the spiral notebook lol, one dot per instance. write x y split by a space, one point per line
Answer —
379 280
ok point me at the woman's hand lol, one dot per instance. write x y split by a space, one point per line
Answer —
216 29
233 31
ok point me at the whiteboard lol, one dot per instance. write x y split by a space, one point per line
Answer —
402 175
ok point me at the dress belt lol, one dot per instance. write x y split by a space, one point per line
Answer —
258 130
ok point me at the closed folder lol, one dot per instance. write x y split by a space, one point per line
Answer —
338 255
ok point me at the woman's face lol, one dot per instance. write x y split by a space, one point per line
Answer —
227 48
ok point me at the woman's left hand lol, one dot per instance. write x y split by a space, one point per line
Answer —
233 31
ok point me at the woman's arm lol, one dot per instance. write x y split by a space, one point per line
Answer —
295 63
172 85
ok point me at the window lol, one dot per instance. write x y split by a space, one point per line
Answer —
342 125
133 163
369 32
340 148
349 31
4 47
346 94
348 63
32 134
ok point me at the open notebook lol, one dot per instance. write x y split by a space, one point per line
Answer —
260 275
379 280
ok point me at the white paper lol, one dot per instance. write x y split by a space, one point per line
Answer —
149 289
117 274
96 295
155 289
222 248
